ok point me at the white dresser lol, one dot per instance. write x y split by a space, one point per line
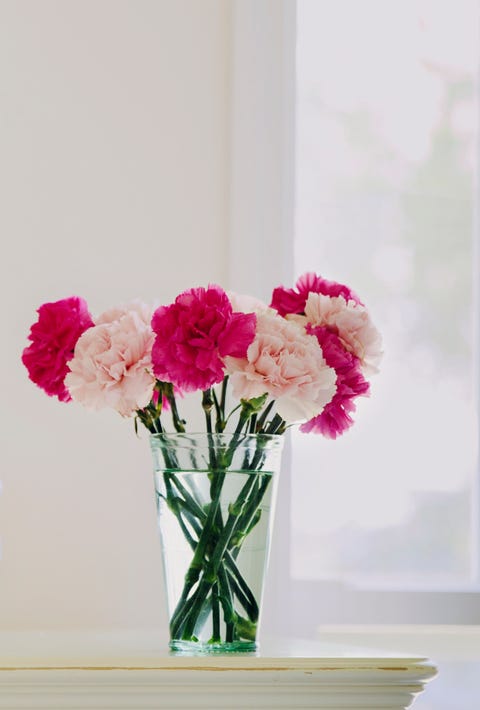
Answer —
455 650
134 671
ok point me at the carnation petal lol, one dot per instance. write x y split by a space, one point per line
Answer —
237 335
331 423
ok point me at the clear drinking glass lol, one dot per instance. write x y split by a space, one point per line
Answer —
215 496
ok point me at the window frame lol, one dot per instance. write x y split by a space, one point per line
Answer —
261 256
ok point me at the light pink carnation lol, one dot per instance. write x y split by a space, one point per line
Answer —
286 363
143 311
246 304
112 364
351 322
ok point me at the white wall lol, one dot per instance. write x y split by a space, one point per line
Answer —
114 163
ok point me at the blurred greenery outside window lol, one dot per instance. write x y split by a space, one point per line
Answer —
386 200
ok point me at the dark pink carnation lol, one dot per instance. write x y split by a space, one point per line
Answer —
54 336
195 334
292 300
336 415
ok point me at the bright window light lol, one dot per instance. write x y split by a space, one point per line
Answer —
386 161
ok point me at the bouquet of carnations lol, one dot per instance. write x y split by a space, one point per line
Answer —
303 359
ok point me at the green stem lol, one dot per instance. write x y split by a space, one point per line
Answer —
192 520
209 576
223 396
215 615
248 519
193 505
174 503
241 588
235 409
263 417
232 447
207 404
178 423
227 604
196 565
242 420
185 530
149 421
276 424
157 424
219 423
193 513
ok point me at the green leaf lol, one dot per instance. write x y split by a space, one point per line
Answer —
254 405
245 629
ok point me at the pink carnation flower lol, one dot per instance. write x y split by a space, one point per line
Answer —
143 311
112 364
246 304
54 336
335 418
349 340
293 300
288 364
351 322
195 334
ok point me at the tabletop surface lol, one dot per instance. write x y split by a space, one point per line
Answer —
144 649
134 670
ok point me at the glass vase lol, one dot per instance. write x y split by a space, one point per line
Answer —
215 495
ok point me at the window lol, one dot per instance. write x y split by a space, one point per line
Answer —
381 156
386 157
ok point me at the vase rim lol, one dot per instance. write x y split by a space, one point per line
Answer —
217 435
202 438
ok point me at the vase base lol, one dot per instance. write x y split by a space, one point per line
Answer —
197 648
